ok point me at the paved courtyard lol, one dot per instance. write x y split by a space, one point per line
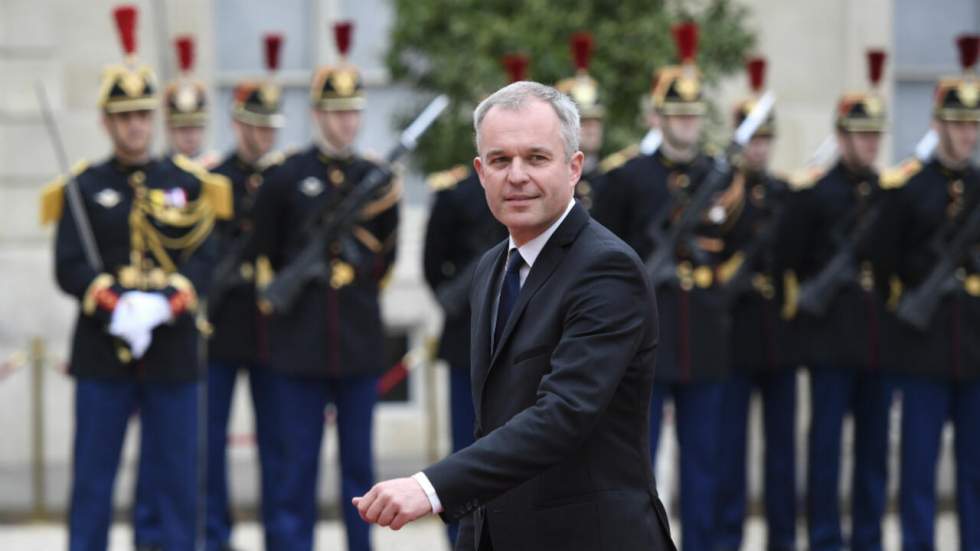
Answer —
427 535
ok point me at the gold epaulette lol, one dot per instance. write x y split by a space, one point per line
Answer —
216 188
805 178
447 179
619 158
53 195
896 177
711 149
275 158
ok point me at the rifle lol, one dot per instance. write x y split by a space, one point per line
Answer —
817 292
74 196
926 145
337 221
651 141
918 306
661 265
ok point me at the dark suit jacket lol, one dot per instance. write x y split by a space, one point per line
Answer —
562 459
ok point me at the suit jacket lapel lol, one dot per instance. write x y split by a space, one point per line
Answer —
480 355
544 266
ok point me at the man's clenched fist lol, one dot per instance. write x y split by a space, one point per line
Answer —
393 503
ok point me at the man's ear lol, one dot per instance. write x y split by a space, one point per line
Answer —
575 165
478 167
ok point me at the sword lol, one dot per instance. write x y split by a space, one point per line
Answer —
927 145
74 196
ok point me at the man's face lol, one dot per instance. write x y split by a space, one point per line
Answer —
187 140
255 141
756 153
339 128
682 131
590 138
130 132
523 169
958 139
859 149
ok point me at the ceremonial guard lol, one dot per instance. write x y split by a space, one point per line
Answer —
328 347
460 229
240 339
826 246
642 199
186 107
932 252
584 91
186 113
133 246
759 345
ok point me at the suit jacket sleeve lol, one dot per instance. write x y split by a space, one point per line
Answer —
604 321
74 274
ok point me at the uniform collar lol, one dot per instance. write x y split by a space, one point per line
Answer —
328 153
241 164
666 161
950 173
130 168
855 176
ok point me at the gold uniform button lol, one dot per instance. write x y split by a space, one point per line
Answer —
972 285
341 274
703 277
247 271
137 178
337 176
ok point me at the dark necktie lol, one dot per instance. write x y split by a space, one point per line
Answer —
508 293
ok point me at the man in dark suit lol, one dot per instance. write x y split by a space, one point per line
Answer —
564 335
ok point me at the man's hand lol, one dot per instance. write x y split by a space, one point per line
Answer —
393 503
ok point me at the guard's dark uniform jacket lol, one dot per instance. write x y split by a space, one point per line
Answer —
761 340
925 198
152 225
460 229
239 329
821 214
335 328
694 339
589 186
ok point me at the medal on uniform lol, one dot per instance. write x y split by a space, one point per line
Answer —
311 187
108 198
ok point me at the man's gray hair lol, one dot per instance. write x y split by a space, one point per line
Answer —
513 96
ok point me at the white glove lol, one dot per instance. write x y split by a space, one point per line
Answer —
152 309
136 315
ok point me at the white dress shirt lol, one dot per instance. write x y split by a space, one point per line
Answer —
529 252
